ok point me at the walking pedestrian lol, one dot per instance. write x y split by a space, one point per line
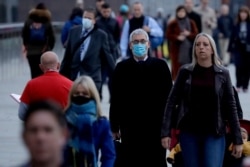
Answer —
138 20
180 34
38 37
239 47
89 129
139 90
75 19
202 123
44 134
50 85
87 51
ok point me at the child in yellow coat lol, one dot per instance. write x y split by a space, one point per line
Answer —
246 143
173 152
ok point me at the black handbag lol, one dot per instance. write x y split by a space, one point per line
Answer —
118 149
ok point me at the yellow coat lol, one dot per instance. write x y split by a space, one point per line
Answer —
175 150
246 148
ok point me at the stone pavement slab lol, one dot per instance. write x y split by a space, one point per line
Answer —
12 151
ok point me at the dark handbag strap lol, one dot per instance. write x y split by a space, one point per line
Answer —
80 41
146 21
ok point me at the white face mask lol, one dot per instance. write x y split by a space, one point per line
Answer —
87 23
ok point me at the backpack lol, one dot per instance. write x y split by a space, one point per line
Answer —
154 41
37 34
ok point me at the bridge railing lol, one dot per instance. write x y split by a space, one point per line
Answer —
12 61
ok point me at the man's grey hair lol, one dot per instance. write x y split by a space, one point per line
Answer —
138 32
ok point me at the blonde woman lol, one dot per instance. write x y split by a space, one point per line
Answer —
89 130
202 122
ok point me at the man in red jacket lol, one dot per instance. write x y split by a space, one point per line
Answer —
50 85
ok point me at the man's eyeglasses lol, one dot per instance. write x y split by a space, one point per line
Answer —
142 41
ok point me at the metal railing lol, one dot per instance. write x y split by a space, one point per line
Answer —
12 61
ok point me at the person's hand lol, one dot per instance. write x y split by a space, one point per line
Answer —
24 51
165 142
237 151
181 37
146 28
208 23
186 33
221 35
116 135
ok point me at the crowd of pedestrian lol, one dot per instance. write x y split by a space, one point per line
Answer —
63 124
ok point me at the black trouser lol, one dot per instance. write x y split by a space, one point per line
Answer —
243 71
105 78
242 76
34 61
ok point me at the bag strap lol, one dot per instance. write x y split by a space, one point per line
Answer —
146 21
81 40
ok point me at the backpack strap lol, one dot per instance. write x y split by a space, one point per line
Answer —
146 21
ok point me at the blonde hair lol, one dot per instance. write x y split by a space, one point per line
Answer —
88 83
215 57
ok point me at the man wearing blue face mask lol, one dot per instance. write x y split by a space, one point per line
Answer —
87 51
139 91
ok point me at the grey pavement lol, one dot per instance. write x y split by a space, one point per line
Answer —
12 150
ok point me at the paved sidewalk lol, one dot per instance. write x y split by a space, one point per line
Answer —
12 151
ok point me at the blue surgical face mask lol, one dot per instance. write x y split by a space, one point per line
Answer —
139 50
87 23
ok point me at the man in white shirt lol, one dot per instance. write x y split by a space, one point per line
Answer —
208 17
138 21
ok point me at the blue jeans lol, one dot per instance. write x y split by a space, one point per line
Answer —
202 150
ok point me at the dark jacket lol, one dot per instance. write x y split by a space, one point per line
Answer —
39 16
226 105
139 91
238 105
236 48
225 25
196 18
97 55
77 20
111 27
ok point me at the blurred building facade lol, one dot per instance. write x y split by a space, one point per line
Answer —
169 6
8 11
17 10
